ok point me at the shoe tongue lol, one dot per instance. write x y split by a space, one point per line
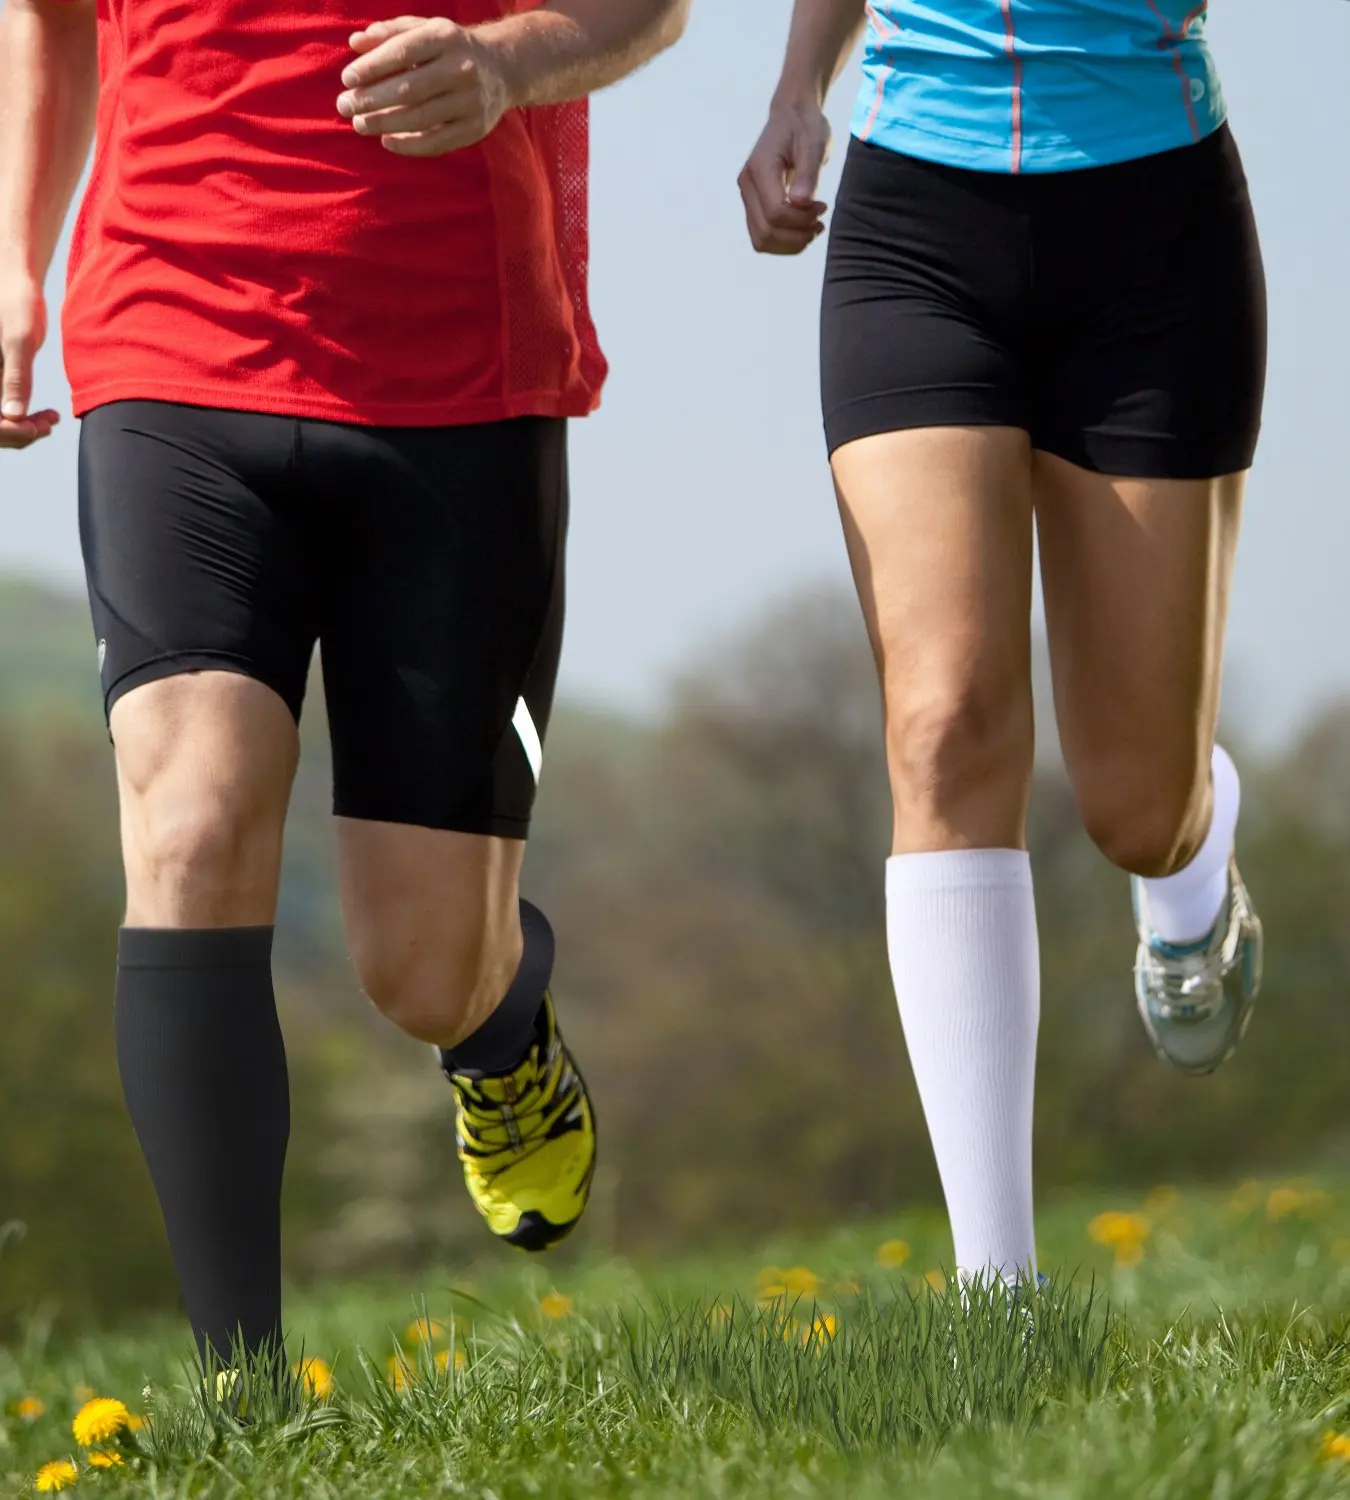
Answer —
506 1088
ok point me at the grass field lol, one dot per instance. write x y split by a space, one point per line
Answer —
1193 1344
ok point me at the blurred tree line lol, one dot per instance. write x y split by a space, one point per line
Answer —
716 881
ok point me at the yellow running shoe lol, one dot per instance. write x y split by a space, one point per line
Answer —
527 1141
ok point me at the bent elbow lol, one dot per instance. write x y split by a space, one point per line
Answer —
674 20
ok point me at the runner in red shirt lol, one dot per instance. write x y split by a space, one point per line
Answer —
326 321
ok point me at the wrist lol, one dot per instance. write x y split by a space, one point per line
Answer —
20 271
504 54
800 91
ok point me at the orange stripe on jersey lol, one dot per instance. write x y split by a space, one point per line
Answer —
1176 36
886 31
1010 46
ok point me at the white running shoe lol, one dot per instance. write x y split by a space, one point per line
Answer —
1196 999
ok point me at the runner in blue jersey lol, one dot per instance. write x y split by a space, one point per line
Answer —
1043 308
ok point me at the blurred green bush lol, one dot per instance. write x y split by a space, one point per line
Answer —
716 881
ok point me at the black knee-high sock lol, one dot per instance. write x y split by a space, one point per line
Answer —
204 1074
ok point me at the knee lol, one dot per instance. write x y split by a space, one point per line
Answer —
1143 819
960 748
200 854
438 988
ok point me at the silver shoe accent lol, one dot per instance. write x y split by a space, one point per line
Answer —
1196 999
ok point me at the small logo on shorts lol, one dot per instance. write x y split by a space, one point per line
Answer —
1197 90
102 654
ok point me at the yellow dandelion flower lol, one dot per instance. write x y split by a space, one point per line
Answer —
98 1420
821 1331
424 1331
1281 1202
1162 1200
892 1254
135 1423
800 1282
1247 1197
936 1280
83 1393
316 1375
555 1305
443 1360
51 1477
1123 1233
400 1375
105 1458
1336 1445
28 1408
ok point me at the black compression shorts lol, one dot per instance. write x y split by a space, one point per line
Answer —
1117 314
428 562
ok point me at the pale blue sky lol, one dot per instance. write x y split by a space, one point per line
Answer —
700 489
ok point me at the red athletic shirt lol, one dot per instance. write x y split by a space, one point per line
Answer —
240 246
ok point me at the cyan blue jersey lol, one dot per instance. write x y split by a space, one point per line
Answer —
1036 85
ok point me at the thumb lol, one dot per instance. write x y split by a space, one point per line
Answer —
804 170
16 379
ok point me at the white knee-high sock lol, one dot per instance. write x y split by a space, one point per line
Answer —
961 927
1182 908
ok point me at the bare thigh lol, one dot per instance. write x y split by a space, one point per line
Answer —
938 523
1137 575
433 922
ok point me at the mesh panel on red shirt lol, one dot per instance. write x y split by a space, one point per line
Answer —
562 134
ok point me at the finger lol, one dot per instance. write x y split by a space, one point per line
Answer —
444 109
789 242
437 142
407 90
769 238
17 434
17 349
380 31
765 181
398 54
779 221
808 157
791 218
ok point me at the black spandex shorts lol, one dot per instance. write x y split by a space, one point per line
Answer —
1117 314
428 562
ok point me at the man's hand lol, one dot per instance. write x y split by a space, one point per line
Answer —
778 183
23 326
424 87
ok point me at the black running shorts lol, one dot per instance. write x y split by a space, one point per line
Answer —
428 562
1117 314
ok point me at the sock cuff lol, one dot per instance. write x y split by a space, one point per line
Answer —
1227 785
194 947
502 1040
958 869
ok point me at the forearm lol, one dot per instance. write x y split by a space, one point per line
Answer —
569 48
48 96
820 42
